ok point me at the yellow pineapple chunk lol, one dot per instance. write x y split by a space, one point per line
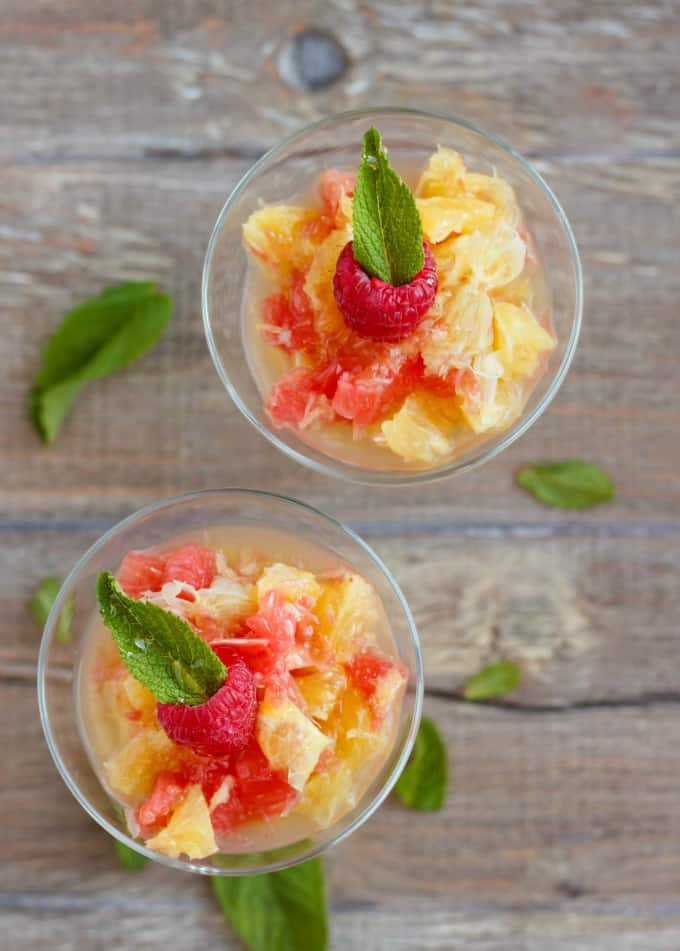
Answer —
189 831
441 217
492 257
278 236
321 689
348 612
293 583
132 770
519 339
415 433
289 739
328 796
463 331
497 191
328 320
444 175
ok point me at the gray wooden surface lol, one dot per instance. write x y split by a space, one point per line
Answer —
123 129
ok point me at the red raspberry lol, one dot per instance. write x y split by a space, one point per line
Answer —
381 311
223 724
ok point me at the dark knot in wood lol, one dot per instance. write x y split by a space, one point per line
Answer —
312 59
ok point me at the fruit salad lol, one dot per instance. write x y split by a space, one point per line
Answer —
396 323
232 702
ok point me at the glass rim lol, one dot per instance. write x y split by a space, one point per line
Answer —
346 470
50 631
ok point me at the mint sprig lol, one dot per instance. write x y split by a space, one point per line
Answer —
41 603
101 336
158 648
567 485
424 781
279 911
493 681
388 235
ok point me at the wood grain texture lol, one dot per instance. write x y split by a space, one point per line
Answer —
123 131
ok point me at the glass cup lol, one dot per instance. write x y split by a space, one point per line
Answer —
411 137
157 524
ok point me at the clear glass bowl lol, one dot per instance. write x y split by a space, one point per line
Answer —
411 137
157 524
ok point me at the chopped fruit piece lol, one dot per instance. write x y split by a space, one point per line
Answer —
442 217
223 724
366 394
328 795
289 739
320 690
154 812
519 339
288 319
334 189
444 175
377 679
139 573
464 330
492 257
293 583
226 600
258 792
287 628
416 434
497 410
297 400
348 613
189 831
377 310
497 191
138 700
192 564
356 736
223 793
328 320
131 771
281 237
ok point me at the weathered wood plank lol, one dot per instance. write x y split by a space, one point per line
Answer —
560 827
90 79
592 619
75 228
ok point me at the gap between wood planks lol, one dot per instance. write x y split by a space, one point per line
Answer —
23 672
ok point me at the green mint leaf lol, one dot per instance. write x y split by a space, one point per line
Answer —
41 603
130 859
567 485
424 781
388 235
101 336
158 648
493 681
280 911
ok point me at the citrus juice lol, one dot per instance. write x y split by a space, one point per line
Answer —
309 634
464 375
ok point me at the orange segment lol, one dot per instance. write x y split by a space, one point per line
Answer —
189 831
281 237
289 739
321 689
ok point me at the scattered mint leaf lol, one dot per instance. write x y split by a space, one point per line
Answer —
388 235
41 604
102 335
158 648
130 859
280 911
493 681
424 781
567 485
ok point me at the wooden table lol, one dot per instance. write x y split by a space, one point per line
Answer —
124 128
